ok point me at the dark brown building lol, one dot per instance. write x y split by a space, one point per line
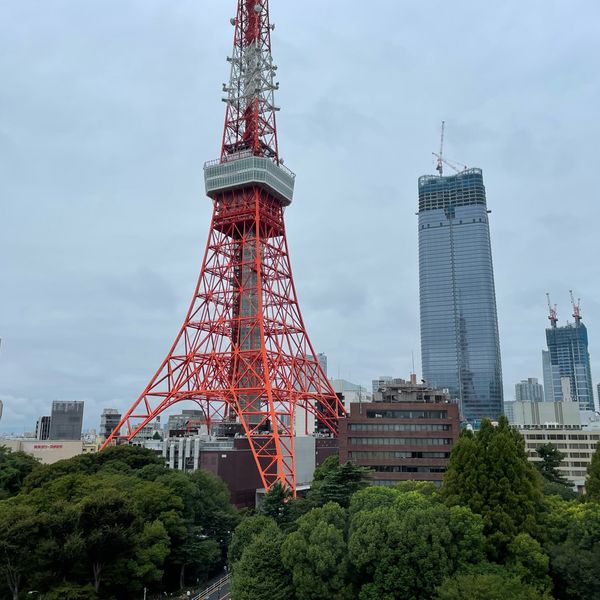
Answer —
406 433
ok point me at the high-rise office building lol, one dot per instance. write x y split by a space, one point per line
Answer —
460 347
109 419
66 420
567 364
529 390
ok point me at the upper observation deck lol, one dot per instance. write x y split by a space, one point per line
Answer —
242 170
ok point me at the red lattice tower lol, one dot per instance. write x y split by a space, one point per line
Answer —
243 354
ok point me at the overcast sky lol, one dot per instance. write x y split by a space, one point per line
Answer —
109 108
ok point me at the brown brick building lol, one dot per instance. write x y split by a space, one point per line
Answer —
406 433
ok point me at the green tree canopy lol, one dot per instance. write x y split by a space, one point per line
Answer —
592 483
316 555
338 484
489 472
551 459
259 574
404 549
487 582
14 468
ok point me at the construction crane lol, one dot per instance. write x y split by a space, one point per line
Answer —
552 311
441 161
576 307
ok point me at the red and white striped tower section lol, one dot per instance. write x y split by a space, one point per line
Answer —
243 354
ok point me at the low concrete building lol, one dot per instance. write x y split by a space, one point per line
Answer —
46 451
576 442
406 433
545 413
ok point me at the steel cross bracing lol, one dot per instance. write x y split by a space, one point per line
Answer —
243 354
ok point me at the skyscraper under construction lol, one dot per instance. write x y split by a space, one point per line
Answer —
566 363
460 348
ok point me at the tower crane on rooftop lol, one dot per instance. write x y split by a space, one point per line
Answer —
576 307
441 161
552 312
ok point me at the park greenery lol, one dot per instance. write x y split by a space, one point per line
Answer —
106 526
499 528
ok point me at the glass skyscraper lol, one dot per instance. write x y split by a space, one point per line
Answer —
568 368
460 349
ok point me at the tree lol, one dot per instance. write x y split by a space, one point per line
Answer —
496 584
551 459
260 574
574 548
20 532
246 531
338 484
329 464
529 562
71 591
316 555
404 551
489 472
14 468
275 504
592 483
107 530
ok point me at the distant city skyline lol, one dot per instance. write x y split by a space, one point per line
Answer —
109 110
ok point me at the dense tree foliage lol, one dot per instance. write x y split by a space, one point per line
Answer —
108 525
489 472
551 459
14 468
592 484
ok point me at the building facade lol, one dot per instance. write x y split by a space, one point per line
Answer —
576 442
568 365
406 433
66 420
109 419
42 428
460 347
529 390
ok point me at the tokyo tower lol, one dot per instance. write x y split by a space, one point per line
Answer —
242 353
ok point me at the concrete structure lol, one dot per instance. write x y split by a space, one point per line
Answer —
545 413
567 365
187 422
509 410
547 374
406 433
47 452
460 346
578 443
109 419
529 390
349 392
66 420
231 459
42 428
